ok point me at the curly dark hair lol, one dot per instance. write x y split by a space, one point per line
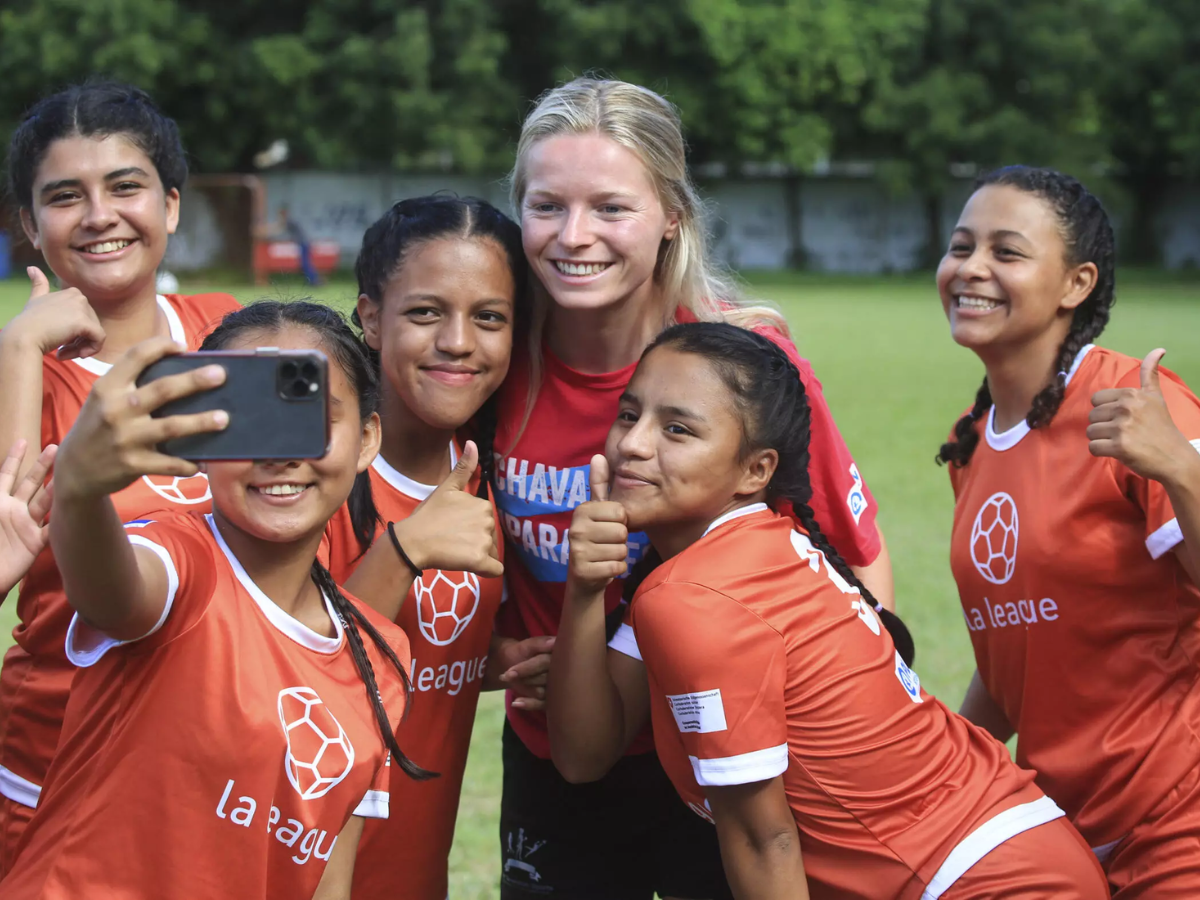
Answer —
1088 236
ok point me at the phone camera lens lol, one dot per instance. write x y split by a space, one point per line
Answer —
288 371
300 388
309 371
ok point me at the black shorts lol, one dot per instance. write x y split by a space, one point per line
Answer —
625 837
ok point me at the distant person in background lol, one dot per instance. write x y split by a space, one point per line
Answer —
96 172
611 226
24 503
1077 579
289 228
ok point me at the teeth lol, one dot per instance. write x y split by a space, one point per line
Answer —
980 303
569 268
107 246
282 490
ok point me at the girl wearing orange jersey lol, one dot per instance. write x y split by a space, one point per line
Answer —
231 719
1078 582
96 172
781 707
441 285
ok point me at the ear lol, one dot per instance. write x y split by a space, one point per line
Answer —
30 227
1080 282
368 314
372 434
672 226
172 199
757 471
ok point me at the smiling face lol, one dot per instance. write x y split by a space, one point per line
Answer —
1005 280
592 222
284 502
675 451
100 216
444 328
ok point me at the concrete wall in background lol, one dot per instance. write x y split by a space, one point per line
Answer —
826 224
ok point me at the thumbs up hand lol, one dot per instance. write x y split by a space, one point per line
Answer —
452 529
1134 426
59 319
598 536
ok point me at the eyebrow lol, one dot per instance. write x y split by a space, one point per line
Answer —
999 234
680 412
52 186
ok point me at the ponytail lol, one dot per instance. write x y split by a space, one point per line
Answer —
352 620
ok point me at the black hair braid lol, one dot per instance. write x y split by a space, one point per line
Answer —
364 515
1088 237
483 432
766 389
958 449
352 620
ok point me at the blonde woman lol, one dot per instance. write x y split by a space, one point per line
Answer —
611 226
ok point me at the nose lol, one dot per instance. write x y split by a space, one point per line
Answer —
637 443
576 230
974 267
456 336
100 213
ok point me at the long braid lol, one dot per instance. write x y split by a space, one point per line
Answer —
766 389
354 622
484 431
958 449
1088 236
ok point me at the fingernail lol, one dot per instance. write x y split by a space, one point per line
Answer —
220 418
213 374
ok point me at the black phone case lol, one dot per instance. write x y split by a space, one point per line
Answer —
277 402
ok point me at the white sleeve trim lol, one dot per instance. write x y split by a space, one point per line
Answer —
1164 539
745 768
625 641
986 838
86 646
18 789
374 805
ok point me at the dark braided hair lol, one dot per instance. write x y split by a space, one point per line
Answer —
334 336
766 389
1088 236
94 109
386 244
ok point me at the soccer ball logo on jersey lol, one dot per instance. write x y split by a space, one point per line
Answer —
187 491
446 605
319 752
994 538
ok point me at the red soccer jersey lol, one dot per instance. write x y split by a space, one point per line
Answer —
448 618
1083 621
543 475
36 676
763 661
220 755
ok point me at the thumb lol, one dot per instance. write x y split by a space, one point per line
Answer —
460 475
1150 370
40 285
599 477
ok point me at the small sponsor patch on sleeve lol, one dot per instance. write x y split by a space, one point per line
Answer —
857 498
908 680
698 713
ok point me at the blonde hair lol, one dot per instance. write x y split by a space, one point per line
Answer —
646 123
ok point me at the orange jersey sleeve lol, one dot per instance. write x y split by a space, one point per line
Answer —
721 671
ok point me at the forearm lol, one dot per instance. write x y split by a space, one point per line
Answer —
584 710
980 708
877 576
381 580
338 876
760 843
99 568
1184 492
21 399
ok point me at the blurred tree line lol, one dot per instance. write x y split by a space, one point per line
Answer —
1107 89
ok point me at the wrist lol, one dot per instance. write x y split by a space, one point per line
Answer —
407 547
17 340
1184 476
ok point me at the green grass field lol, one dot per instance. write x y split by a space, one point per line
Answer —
895 382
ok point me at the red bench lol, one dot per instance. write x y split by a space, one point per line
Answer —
284 256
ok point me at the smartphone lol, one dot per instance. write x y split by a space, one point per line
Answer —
277 400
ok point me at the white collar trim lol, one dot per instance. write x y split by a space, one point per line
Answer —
1006 440
174 323
401 482
284 623
735 514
